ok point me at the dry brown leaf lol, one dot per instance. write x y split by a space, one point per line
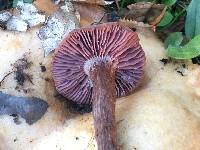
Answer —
46 6
145 12
139 26
96 2
90 13
158 18
134 24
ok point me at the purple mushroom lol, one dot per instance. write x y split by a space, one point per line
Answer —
95 65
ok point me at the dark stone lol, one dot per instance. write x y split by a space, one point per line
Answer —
77 138
43 68
15 140
164 61
31 109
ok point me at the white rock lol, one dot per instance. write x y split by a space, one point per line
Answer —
50 44
33 20
70 27
16 24
57 26
53 28
68 7
29 13
5 16
26 7
51 34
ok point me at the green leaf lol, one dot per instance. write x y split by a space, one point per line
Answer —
192 24
15 3
25 1
190 50
28 1
167 18
169 2
174 39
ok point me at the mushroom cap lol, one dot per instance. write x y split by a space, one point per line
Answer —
109 41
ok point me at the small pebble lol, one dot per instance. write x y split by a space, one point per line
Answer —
164 61
43 68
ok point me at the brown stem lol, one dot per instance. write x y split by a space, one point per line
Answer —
102 76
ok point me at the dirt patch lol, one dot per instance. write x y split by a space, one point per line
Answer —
74 107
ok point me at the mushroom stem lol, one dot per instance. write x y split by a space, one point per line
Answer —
102 76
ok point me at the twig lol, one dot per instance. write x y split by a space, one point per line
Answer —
99 20
29 78
117 3
5 77
181 5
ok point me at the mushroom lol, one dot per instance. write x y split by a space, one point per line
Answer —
95 65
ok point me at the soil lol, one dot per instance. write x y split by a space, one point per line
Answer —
164 61
43 68
74 107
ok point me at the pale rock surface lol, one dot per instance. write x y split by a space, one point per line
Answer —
162 114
